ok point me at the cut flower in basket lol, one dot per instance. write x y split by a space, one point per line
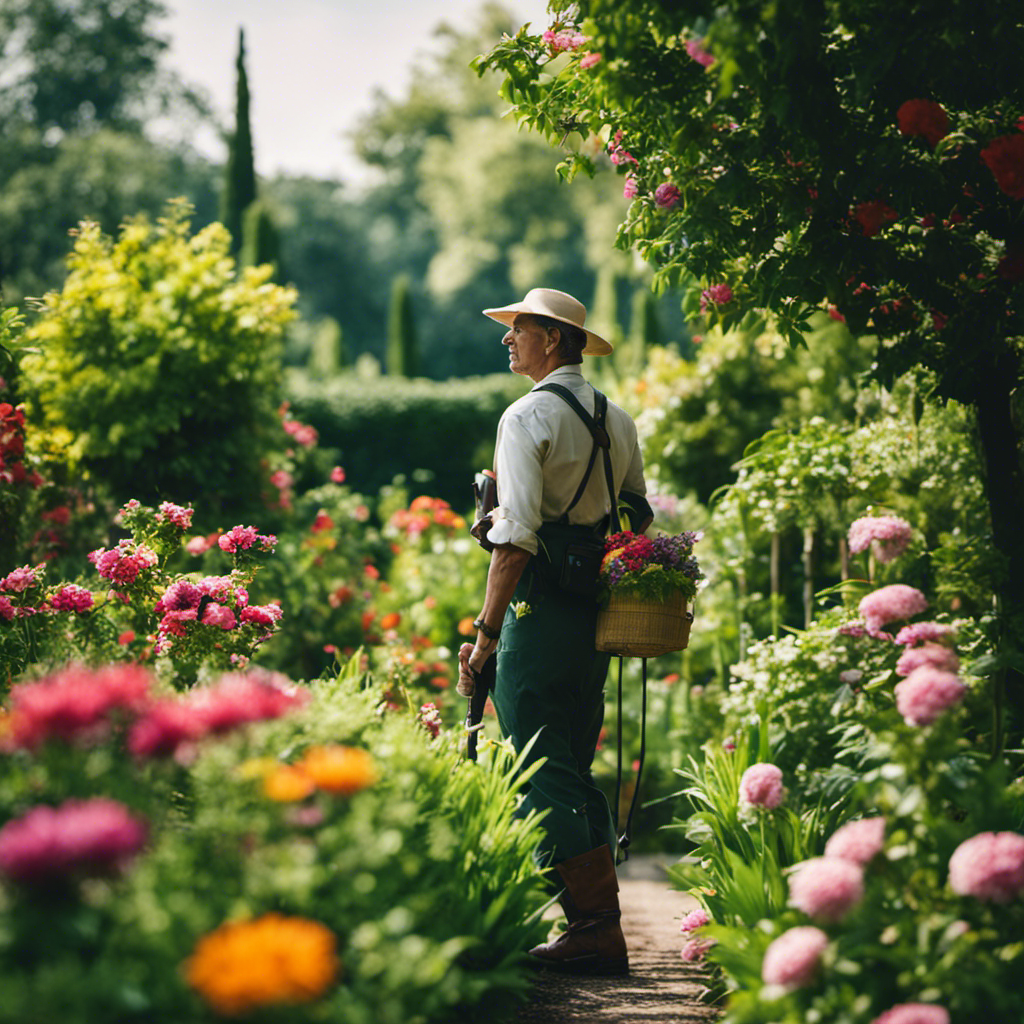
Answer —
650 569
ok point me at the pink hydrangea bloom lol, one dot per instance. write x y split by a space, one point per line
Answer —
761 786
886 536
889 604
176 514
72 598
696 950
826 888
92 836
19 580
218 615
695 48
926 693
792 959
924 632
937 655
857 841
914 1013
989 867
666 195
164 729
590 60
75 702
716 295
695 919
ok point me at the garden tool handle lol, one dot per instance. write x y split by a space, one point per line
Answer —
484 680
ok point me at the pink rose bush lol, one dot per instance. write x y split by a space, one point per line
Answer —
792 960
761 786
927 693
826 888
989 867
886 537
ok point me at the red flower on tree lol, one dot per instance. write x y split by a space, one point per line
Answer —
1004 157
873 215
923 117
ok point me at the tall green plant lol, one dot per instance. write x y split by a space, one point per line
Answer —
402 356
240 172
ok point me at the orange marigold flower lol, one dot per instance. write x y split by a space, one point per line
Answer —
390 621
288 784
339 769
466 627
272 960
420 504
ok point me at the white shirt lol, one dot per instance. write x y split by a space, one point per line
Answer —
540 457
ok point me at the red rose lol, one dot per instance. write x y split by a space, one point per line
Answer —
1004 157
923 117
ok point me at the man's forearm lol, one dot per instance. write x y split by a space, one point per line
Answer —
507 565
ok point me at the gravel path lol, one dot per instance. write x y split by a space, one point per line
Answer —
660 988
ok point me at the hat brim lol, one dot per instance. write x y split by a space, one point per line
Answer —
596 345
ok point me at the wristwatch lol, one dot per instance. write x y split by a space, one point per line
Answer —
491 634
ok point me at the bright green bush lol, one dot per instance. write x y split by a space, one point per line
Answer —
158 363
408 856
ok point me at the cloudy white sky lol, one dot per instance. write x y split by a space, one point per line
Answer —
312 65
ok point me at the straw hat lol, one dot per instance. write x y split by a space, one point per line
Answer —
557 305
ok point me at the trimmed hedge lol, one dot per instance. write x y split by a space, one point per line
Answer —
388 426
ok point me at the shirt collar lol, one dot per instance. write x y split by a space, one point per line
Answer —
562 375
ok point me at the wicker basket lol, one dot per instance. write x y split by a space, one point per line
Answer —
643 629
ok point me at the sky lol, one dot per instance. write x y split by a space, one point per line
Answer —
313 66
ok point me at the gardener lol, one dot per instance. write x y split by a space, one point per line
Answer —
550 679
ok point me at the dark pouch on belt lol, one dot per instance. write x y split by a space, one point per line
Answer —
570 558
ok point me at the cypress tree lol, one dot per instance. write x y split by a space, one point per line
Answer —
327 353
261 242
643 328
240 174
401 358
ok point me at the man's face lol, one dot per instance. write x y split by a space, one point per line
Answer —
526 342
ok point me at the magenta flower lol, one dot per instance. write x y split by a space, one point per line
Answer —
75 702
218 615
889 604
826 888
937 655
123 563
695 919
72 598
238 538
761 786
7 610
164 729
989 867
914 1013
695 48
565 39
886 536
95 836
176 514
666 195
926 693
179 597
239 699
696 950
630 189
261 614
857 841
792 959
716 295
924 632
19 580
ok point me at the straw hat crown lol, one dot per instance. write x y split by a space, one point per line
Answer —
557 305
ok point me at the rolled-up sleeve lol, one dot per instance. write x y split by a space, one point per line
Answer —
518 467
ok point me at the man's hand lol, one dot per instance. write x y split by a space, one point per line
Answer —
471 659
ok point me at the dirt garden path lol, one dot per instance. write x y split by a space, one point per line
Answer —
660 988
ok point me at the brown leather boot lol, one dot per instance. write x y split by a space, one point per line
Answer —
593 943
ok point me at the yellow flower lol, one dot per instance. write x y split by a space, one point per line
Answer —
611 556
288 784
339 769
244 965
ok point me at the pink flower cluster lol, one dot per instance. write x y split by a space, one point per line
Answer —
94 836
857 841
696 950
695 48
886 536
927 693
7 610
761 786
694 919
914 1013
430 718
236 700
176 514
72 598
989 867
19 580
302 433
564 39
826 888
241 538
792 959
75 703
889 604
630 188
123 564
617 154
937 655
925 632
717 295
223 605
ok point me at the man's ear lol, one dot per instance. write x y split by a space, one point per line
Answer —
548 349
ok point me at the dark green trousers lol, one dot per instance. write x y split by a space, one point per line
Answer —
550 684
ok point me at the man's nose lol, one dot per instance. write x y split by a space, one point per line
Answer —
507 340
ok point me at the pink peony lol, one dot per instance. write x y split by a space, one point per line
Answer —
792 959
717 295
163 729
761 786
914 1013
19 580
989 867
695 919
218 615
886 536
92 836
826 888
924 632
696 950
666 195
75 702
926 693
888 604
176 514
937 655
72 598
857 841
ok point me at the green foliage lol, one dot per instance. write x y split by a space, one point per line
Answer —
418 869
158 364
260 240
392 426
401 352
240 173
